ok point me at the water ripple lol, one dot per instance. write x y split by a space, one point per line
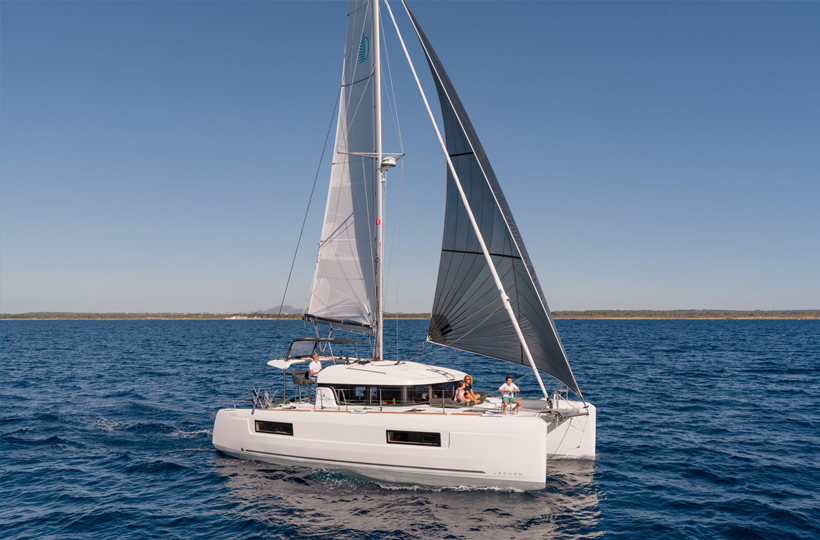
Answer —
706 429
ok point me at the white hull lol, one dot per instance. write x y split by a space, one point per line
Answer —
476 448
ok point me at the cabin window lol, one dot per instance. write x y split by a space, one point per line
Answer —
354 395
386 395
419 438
431 393
275 428
395 395
418 394
446 390
370 395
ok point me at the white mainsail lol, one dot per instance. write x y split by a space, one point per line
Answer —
343 290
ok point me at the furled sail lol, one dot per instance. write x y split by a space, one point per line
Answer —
468 313
343 290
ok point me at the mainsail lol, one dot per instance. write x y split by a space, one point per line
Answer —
343 290
468 313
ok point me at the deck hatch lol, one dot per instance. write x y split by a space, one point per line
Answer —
419 438
275 428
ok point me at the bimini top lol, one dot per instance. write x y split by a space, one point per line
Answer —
304 347
387 373
301 349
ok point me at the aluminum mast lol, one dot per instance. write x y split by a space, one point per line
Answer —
377 104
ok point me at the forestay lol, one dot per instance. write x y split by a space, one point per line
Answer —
468 313
343 290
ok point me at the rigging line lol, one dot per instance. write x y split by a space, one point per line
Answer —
395 227
417 350
371 239
398 250
392 89
394 245
394 113
301 231
523 376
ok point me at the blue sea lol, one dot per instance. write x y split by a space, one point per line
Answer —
706 429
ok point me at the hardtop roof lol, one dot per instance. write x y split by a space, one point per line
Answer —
387 373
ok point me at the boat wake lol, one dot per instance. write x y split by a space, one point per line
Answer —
318 501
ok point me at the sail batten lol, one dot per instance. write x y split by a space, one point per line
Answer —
466 288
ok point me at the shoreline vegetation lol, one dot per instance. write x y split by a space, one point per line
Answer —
678 314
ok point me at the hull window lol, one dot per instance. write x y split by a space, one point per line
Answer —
419 438
275 428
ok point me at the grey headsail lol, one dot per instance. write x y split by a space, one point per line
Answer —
468 313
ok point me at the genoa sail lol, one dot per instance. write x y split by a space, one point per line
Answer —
343 290
468 313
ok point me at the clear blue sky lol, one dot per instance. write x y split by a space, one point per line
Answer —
158 156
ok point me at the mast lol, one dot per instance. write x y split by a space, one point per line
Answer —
377 105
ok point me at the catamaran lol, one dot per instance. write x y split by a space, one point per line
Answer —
393 420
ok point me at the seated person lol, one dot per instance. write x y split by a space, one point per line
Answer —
315 367
460 393
508 390
468 390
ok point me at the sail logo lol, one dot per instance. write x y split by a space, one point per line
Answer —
364 49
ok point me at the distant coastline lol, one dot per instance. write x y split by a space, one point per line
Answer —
704 314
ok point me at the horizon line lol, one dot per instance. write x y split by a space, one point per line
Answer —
265 312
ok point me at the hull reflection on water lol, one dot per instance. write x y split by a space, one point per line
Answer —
314 502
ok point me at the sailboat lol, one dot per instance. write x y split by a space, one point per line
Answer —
398 421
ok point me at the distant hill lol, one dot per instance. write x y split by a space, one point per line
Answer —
285 309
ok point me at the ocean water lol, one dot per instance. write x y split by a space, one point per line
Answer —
706 429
